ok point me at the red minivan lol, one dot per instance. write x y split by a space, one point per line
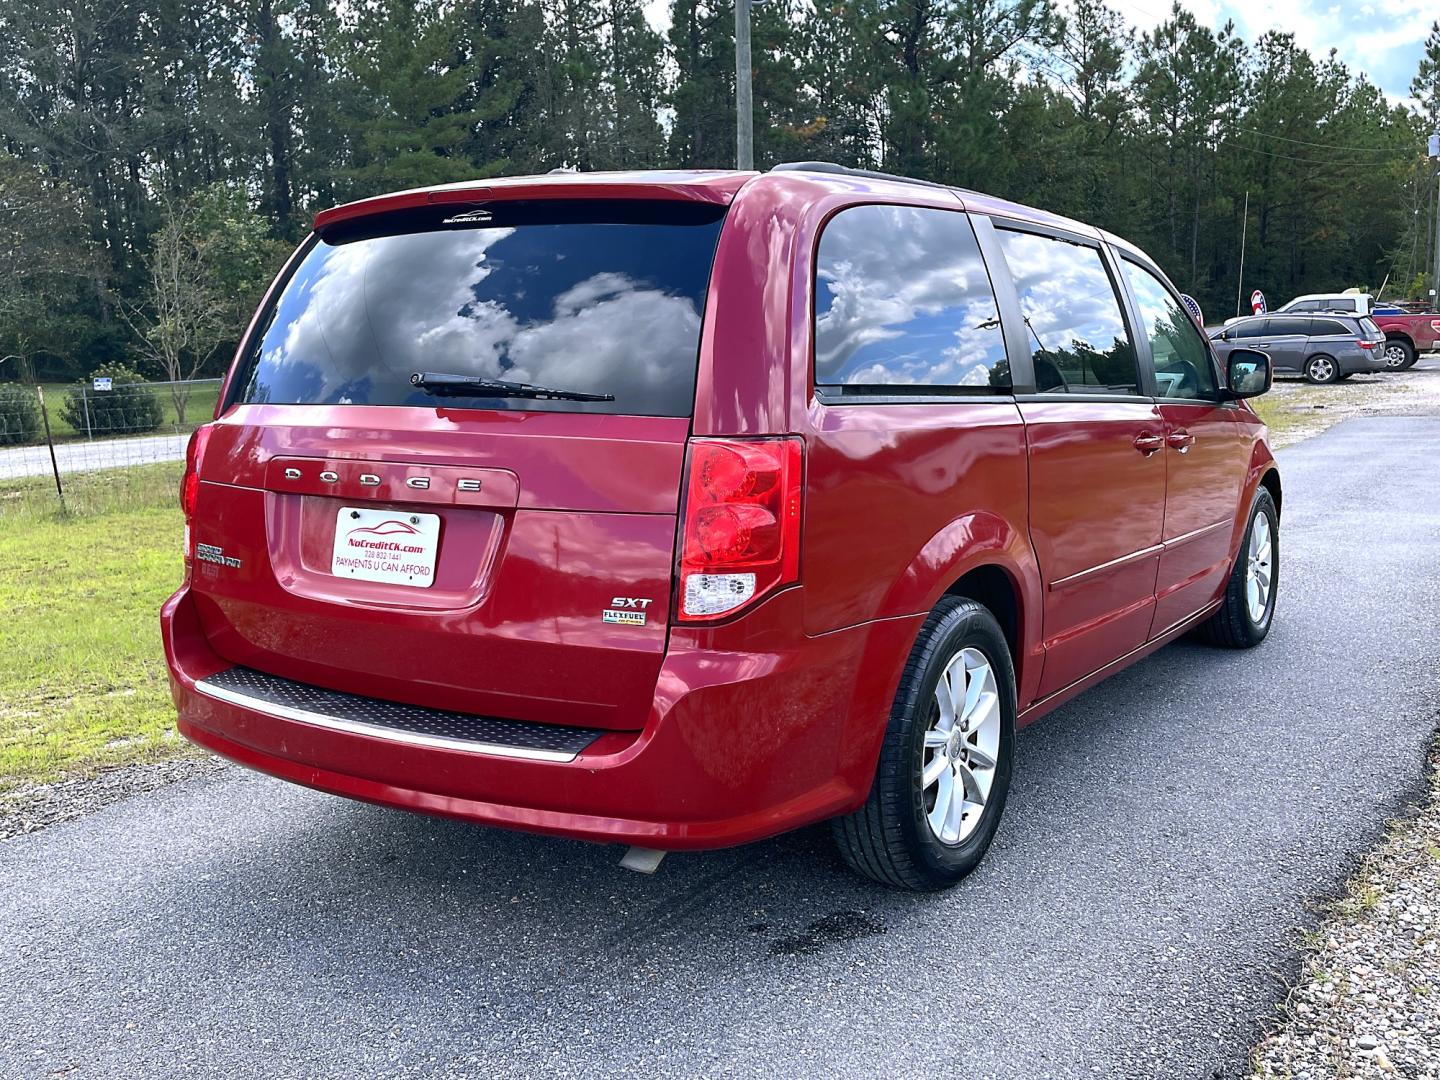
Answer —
679 509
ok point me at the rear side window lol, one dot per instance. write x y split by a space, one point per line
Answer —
1072 316
1370 326
1328 328
1287 327
603 298
1180 355
1305 305
902 299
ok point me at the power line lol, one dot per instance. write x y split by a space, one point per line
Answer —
1290 157
1323 146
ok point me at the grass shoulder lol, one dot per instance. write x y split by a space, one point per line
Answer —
82 677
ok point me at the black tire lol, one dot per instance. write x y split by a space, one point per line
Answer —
1399 355
1231 626
888 839
1321 369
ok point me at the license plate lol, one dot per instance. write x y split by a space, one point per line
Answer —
386 545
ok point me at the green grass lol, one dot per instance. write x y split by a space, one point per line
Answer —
89 494
199 407
82 675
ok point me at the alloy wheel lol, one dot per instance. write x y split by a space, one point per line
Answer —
962 747
1322 369
1258 569
1395 356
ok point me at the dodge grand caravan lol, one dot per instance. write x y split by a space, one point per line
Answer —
681 509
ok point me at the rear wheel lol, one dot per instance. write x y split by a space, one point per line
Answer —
1399 355
1321 369
1244 617
944 769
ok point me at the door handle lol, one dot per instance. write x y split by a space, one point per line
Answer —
1180 439
1147 442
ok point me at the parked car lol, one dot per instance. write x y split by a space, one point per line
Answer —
1407 335
1323 348
681 509
1343 303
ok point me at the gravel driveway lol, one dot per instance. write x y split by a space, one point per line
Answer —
1137 917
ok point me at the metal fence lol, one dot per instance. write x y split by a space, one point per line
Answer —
69 433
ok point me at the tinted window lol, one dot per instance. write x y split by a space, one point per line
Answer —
582 297
1072 316
1370 326
1339 305
902 299
1181 357
1283 326
1250 328
1305 305
1328 328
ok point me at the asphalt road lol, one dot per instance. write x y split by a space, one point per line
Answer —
85 456
1137 916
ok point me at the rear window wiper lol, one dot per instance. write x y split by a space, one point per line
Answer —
443 385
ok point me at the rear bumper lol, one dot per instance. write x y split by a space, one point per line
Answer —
1360 361
755 729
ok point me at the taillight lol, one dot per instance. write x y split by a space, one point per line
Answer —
740 534
1369 344
190 482
1435 325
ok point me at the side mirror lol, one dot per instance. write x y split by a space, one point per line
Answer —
1248 374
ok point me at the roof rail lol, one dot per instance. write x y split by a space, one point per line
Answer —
844 170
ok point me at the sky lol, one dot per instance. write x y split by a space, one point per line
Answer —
1383 38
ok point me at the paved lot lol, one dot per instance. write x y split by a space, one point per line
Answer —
1136 917
83 456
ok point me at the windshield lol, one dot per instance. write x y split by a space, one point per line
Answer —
600 298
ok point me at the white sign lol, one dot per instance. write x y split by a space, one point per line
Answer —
386 545
1257 302
105 383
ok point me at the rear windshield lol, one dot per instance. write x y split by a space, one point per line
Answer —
600 298
1370 327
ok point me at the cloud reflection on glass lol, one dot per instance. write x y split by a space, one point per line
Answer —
902 299
603 308
1072 314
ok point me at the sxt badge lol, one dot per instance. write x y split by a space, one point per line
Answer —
626 610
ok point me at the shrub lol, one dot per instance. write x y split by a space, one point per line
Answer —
19 415
130 407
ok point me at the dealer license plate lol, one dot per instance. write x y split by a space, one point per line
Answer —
386 545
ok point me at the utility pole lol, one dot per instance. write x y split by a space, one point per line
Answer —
1435 278
744 112
1244 225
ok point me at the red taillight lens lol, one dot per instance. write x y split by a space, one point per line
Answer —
740 536
190 486
190 483
1369 344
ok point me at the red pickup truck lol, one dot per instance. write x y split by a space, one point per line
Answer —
1407 335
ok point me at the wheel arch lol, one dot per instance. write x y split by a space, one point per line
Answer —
984 557
1270 481
1401 336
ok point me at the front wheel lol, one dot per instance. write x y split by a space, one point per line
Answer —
1321 369
1244 617
944 769
1399 355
